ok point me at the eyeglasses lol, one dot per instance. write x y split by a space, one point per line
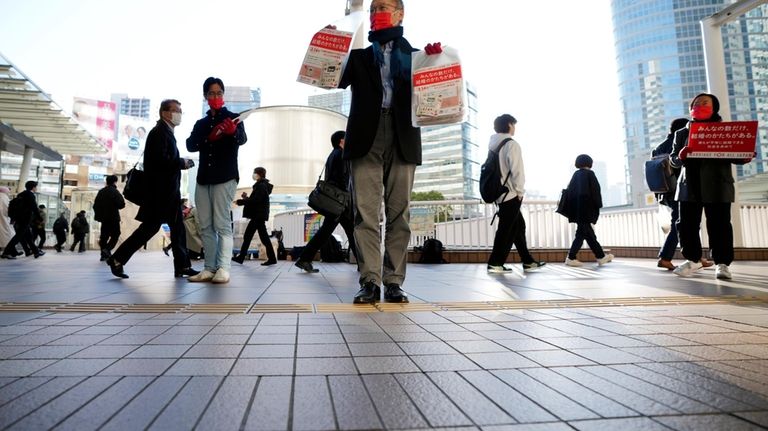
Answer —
382 8
214 94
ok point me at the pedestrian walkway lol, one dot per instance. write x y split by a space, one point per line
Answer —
623 346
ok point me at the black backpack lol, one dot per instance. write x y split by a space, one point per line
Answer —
491 187
16 208
432 251
331 251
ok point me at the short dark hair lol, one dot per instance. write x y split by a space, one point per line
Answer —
31 184
41 206
677 124
111 180
261 171
337 137
583 161
502 122
165 105
210 81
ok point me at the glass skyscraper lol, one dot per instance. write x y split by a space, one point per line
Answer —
661 68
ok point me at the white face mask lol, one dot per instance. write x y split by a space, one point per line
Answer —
175 118
256 177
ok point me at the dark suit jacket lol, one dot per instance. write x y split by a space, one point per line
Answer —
162 167
584 197
362 73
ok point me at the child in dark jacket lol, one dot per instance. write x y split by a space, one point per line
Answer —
584 203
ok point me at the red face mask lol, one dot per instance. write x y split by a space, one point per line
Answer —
216 103
701 112
381 20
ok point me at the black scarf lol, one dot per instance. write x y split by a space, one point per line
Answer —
400 62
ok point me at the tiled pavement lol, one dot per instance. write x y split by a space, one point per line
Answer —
660 366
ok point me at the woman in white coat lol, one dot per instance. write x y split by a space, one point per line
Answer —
6 230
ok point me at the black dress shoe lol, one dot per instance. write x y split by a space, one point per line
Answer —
116 268
369 293
7 256
189 272
306 266
269 262
239 259
393 293
39 253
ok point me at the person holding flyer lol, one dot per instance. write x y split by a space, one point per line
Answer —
383 148
217 137
704 184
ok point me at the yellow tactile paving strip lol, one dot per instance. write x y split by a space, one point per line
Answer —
60 307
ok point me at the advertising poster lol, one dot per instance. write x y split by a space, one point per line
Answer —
724 140
131 138
312 223
323 63
97 117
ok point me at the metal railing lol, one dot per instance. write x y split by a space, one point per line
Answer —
466 225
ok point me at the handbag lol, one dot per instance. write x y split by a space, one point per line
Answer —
328 199
135 185
659 174
562 204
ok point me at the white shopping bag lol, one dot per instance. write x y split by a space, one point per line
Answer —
439 96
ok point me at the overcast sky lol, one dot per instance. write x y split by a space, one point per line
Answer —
550 64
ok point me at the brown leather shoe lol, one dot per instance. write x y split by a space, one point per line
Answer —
706 263
663 263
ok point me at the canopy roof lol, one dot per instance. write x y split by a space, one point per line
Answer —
30 119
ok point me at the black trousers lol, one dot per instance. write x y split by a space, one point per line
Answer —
109 235
325 232
584 231
22 236
79 238
61 238
39 232
511 231
146 231
719 229
260 226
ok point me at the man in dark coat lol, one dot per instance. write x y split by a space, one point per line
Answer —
80 228
162 204
336 173
106 209
584 202
705 185
383 149
60 229
256 208
22 223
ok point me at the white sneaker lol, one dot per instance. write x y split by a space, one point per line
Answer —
573 262
203 276
722 272
221 276
500 269
605 259
688 268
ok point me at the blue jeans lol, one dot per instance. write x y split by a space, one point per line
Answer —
214 214
667 251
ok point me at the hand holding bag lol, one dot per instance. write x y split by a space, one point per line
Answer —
328 199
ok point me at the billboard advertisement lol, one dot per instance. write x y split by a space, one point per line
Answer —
131 138
97 117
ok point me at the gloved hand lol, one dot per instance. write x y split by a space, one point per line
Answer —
684 153
216 133
230 126
433 48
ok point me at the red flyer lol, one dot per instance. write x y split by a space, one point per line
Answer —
725 140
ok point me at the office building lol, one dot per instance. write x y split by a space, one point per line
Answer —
661 68
134 107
